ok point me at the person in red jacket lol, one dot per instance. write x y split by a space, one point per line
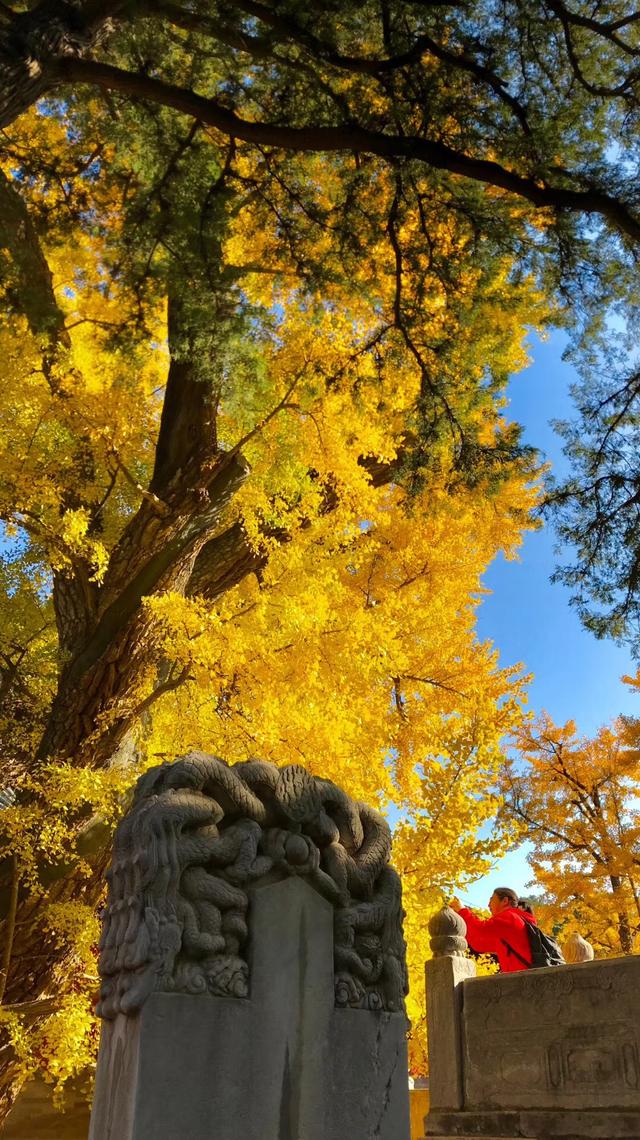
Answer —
504 934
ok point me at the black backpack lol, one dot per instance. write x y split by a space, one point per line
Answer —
544 949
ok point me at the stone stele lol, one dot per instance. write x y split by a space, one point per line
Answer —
252 962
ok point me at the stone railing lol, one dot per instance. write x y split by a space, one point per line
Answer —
551 1052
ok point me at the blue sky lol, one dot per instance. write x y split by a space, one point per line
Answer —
530 620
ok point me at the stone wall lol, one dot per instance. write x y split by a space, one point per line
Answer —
566 1037
542 1053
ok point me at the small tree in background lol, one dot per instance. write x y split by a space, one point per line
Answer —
577 801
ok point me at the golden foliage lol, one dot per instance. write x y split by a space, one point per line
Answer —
354 651
577 801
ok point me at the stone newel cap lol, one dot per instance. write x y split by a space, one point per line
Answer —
577 949
447 930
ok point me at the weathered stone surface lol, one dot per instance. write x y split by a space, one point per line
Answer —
368 1097
545 1053
577 1125
116 1090
444 1019
198 836
567 1038
252 961
471 1123
534 1125
282 1064
35 1118
244 1068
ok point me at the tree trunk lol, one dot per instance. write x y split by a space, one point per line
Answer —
100 680
99 683
97 702
33 43
623 924
37 964
175 541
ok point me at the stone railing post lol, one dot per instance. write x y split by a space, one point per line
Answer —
444 973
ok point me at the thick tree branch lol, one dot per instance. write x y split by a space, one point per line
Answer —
32 41
605 29
225 560
352 138
28 281
232 37
93 708
621 90
160 559
187 425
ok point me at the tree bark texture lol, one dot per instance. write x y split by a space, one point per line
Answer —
624 926
98 681
32 43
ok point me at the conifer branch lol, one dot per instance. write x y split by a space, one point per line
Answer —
359 140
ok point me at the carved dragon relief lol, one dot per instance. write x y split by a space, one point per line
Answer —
198 836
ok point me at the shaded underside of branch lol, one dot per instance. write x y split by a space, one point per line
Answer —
33 279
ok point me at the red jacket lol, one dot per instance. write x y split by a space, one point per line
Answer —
488 936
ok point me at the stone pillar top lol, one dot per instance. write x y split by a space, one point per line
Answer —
201 836
577 949
447 930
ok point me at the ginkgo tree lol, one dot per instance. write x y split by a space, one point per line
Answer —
224 526
264 283
576 799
